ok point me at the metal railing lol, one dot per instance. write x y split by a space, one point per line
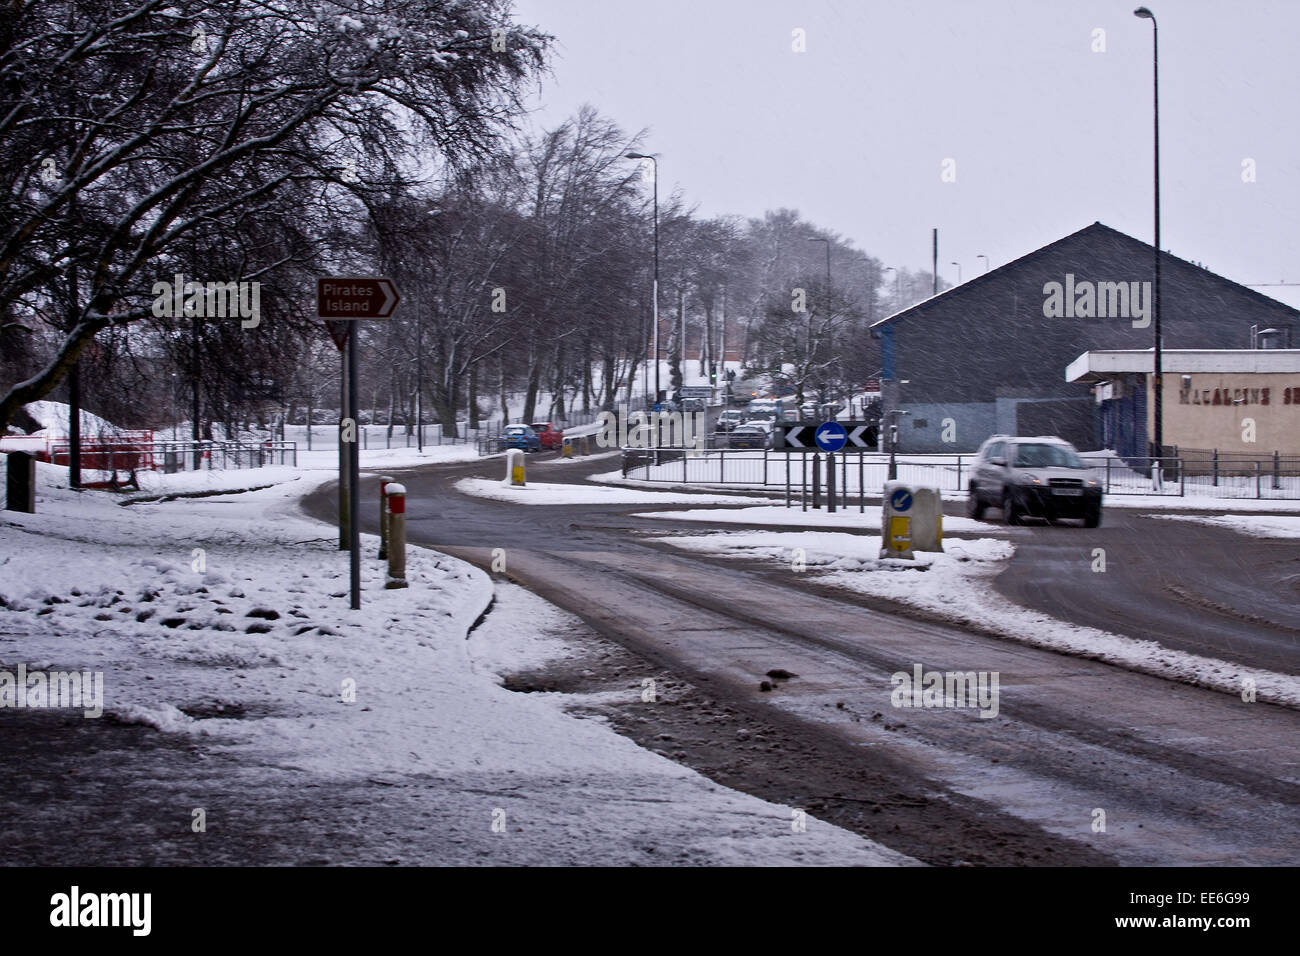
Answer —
1263 477
172 456
489 440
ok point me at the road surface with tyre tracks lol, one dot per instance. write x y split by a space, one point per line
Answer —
1178 774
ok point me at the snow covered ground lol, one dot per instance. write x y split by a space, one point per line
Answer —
850 517
956 586
1259 526
199 608
541 493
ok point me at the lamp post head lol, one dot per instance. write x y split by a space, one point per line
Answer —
638 156
1144 13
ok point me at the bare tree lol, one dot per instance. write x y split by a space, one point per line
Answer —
130 127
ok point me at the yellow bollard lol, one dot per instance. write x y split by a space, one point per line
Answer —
515 467
567 450
396 536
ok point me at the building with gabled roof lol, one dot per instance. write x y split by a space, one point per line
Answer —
988 356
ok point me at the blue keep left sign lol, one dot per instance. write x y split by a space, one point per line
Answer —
901 499
830 436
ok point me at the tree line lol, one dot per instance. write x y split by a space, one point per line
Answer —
244 142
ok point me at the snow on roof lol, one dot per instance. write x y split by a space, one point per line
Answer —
1100 365
54 418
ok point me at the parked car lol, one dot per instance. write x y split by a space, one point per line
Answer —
730 419
749 435
1041 477
519 436
549 435
694 405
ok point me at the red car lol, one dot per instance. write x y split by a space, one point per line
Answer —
551 436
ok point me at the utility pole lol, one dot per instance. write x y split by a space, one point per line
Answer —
934 269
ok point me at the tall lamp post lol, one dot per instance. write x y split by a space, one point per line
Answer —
1158 383
958 265
986 261
655 319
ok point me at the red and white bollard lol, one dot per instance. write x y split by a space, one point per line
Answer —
396 536
384 482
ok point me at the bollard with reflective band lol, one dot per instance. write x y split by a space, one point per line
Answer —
567 450
911 520
515 467
384 481
396 536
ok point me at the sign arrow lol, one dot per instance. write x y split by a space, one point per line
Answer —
855 436
791 436
830 436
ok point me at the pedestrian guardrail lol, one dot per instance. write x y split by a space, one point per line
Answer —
867 472
172 456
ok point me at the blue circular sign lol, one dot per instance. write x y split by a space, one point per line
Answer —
830 436
901 499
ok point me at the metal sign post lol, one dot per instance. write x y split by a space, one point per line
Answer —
830 483
354 478
340 300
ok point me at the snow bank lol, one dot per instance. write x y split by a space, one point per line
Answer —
535 493
1259 526
849 517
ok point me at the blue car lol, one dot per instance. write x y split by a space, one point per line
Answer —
519 436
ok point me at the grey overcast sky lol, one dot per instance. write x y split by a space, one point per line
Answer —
1046 134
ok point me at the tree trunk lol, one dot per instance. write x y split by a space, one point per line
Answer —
505 404
557 391
473 395
392 403
534 383
586 376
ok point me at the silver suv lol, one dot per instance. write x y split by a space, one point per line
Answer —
1040 477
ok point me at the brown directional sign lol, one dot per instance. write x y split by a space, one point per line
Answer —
355 297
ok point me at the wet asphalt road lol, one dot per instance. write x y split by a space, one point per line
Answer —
1189 586
1188 775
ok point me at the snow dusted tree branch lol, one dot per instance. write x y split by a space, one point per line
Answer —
133 130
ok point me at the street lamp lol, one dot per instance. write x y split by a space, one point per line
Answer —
958 265
655 335
1145 14
986 261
